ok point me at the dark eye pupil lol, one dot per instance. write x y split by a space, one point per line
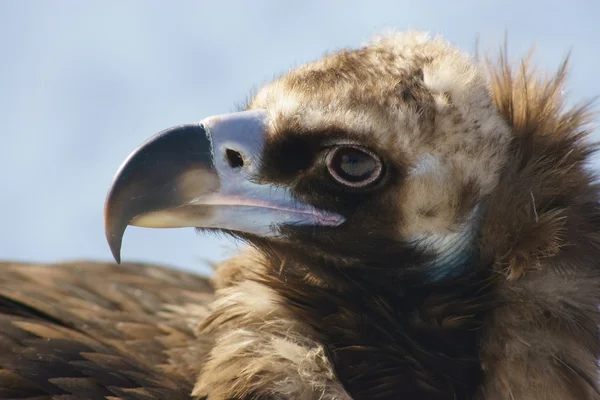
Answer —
353 167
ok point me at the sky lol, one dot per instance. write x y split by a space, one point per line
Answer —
82 83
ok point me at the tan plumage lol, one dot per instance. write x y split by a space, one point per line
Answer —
487 175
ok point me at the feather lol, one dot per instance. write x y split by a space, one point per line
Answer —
95 331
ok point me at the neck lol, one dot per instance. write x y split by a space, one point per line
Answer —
389 334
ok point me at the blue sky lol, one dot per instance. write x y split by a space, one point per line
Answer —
82 83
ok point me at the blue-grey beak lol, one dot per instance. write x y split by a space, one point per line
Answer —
202 175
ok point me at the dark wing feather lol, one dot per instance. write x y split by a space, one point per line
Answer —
96 331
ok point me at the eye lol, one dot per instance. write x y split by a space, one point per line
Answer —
353 166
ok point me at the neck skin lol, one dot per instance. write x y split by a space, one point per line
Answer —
454 253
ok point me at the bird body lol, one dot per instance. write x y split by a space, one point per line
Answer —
419 227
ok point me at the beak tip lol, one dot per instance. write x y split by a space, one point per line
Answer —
114 242
116 252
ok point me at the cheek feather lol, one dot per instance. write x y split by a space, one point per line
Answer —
428 164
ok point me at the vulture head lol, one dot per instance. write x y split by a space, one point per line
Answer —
386 151
429 222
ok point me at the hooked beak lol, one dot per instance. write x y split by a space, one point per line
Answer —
201 175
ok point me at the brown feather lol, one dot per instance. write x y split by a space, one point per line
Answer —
544 228
89 330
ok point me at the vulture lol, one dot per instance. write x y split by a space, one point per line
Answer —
419 224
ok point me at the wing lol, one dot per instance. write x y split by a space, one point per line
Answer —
97 331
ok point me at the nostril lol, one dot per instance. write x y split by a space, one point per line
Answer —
234 158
